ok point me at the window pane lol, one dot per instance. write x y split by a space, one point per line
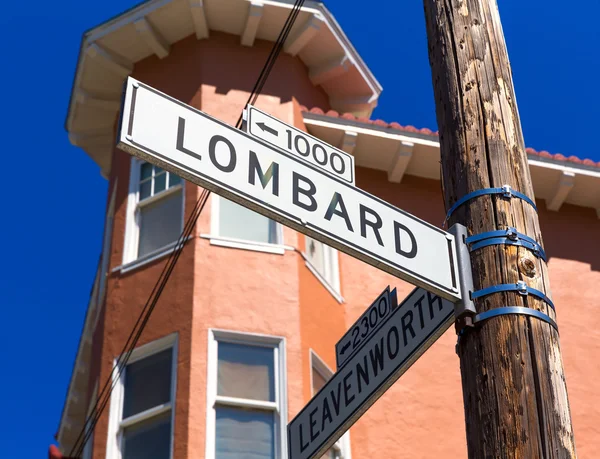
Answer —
246 372
147 383
160 223
145 190
174 180
146 171
331 454
314 253
148 439
244 434
318 381
160 183
241 223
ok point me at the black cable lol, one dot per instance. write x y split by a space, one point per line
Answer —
275 51
158 288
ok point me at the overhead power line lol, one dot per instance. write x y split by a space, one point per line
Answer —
104 395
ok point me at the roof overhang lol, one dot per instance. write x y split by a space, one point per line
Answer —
407 150
109 52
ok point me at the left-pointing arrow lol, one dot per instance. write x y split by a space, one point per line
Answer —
266 128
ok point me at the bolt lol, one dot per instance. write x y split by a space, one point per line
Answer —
527 267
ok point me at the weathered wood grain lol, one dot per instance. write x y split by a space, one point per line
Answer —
514 388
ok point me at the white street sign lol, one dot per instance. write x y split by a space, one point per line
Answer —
277 184
410 330
336 162
367 324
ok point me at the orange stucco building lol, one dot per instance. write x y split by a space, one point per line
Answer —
245 330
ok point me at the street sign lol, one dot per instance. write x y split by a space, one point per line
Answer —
279 185
410 330
336 162
365 326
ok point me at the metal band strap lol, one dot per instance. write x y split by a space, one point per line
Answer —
520 287
506 191
481 317
506 310
509 236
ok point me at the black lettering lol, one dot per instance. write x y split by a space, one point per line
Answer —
313 422
180 135
212 152
431 298
413 249
303 446
296 190
407 326
377 357
326 413
336 403
376 225
392 354
347 387
306 146
420 305
362 372
342 169
272 173
314 152
383 301
332 210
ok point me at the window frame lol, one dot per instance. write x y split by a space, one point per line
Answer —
331 266
279 407
215 237
317 364
116 425
132 221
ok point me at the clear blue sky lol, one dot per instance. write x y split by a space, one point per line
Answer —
53 215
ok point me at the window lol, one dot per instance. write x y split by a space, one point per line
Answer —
246 397
236 226
155 211
323 262
141 413
320 374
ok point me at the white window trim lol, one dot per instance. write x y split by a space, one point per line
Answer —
343 444
115 423
132 220
331 262
234 243
277 343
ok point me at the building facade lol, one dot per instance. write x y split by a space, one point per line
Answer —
244 332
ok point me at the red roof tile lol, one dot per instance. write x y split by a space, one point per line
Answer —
425 131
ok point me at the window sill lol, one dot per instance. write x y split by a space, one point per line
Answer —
220 241
339 298
148 258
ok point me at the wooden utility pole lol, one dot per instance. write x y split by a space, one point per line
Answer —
514 389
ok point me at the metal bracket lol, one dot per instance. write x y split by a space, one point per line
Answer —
506 310
509 236
464 310
506 191
520 287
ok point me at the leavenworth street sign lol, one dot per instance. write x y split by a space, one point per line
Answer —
286 188
408 332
